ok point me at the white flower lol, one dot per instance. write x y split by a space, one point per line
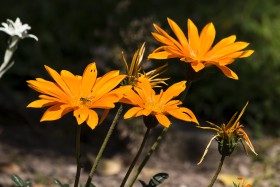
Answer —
17 29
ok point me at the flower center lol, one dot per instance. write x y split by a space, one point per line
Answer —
156 107
82 102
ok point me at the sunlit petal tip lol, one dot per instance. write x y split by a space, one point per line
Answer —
170 21
190 23
247 53
46 67
158 29
228 72
195 121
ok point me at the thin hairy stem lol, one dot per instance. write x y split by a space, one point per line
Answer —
101 150
136 157
217 171
147 157
78 155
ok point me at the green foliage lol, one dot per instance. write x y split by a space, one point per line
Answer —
19 182
58 183
156 180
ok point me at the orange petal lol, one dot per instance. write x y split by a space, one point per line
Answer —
48 88
58 79
50 98
180 35
40 103
237 46
108 100
105 102
81 115
92 119
161 55
163 39
223 62
133 98
193 37
101 89
89 78
183 114
171 105
207 37
246 53
228 72
144 89
145 112
223 43
176 52
173 91
121 91
55 112
197 66
73 82
163 120
167 36
132 112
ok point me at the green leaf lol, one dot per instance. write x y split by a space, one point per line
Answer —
156 180
56 181
19 182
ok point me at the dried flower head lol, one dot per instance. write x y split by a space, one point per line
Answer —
81 94
197 49
228 136
135 70
152 76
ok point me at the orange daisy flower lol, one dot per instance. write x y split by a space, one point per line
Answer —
80 94
146 102
228 136
197 49
242 183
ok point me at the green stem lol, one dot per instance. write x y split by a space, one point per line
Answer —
147 157
217 171
136 157
101 150
78 155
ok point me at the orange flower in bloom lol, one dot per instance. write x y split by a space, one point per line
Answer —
80 94
197 49
242 183
228 136
146 103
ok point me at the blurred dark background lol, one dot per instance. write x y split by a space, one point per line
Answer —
74 33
